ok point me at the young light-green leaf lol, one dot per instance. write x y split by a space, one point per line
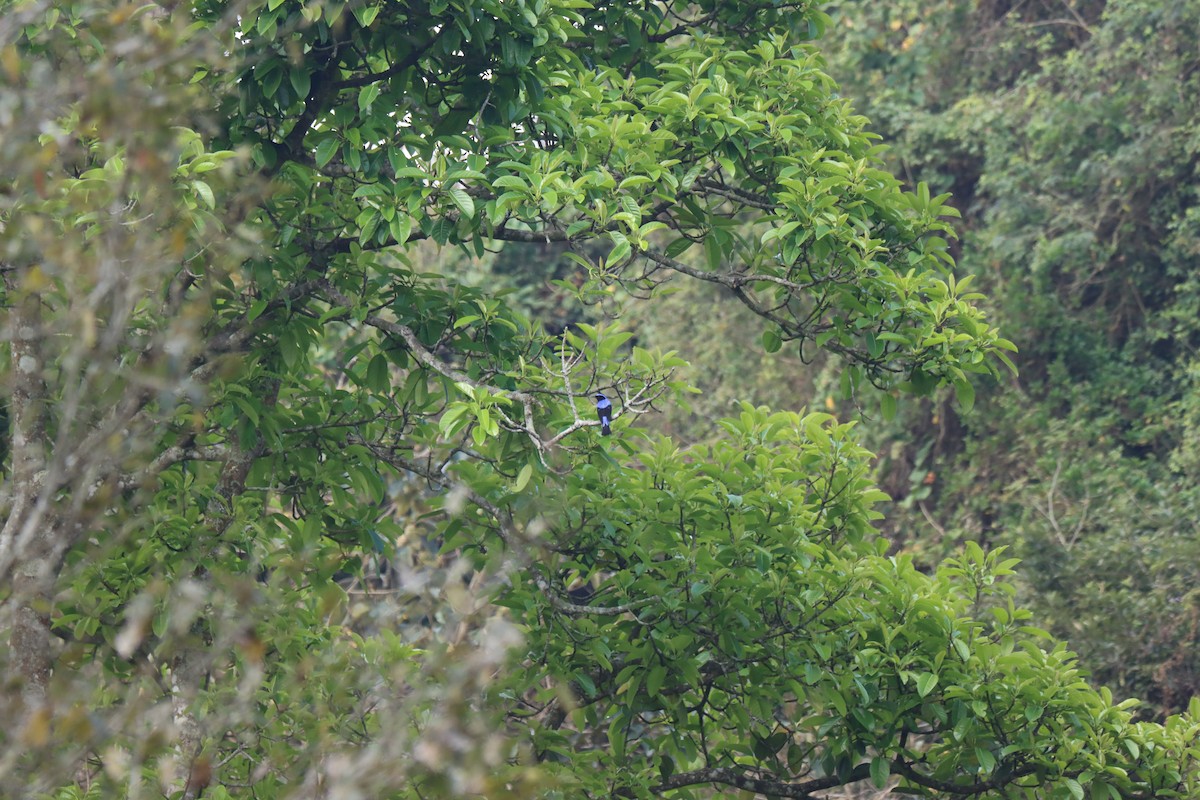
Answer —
523 478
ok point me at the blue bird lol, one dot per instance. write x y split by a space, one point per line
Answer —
604 409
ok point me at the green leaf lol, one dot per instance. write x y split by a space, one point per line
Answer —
206 193
159 625
654 681
880 771
771 340
367 96
586 683
400 227
620 249
677 247
523 478
453 420
256 309
463 201
326 150
926 681
250 411
965 393
370 190
1006 361
301 82
1074 787
987 761
616 736
889 336
377 374
365 14
887 405
712 252
289 348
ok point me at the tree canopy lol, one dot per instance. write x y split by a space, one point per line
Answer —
286 516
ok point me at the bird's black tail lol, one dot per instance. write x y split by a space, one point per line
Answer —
604 429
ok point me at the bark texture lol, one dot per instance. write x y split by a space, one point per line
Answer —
27 537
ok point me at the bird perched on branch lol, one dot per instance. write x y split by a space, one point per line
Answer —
604 410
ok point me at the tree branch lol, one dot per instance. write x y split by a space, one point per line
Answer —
418 349
1000 779
392 71
169 457
28 539
729 776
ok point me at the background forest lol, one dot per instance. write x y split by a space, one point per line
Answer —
1067 132
306 303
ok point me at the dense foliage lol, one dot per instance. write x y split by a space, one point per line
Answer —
286 516
1068 135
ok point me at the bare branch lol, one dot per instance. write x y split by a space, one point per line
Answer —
171 456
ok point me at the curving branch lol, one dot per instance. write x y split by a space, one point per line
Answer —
395 69
728 776
804 790
418 350
173 455
640 401
1001 777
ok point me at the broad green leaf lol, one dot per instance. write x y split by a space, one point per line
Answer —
523 478
462 201
677 247
880 771
887 403
365 14
654 681
965 393
367 96
712 253
377 374
301 82
326 150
